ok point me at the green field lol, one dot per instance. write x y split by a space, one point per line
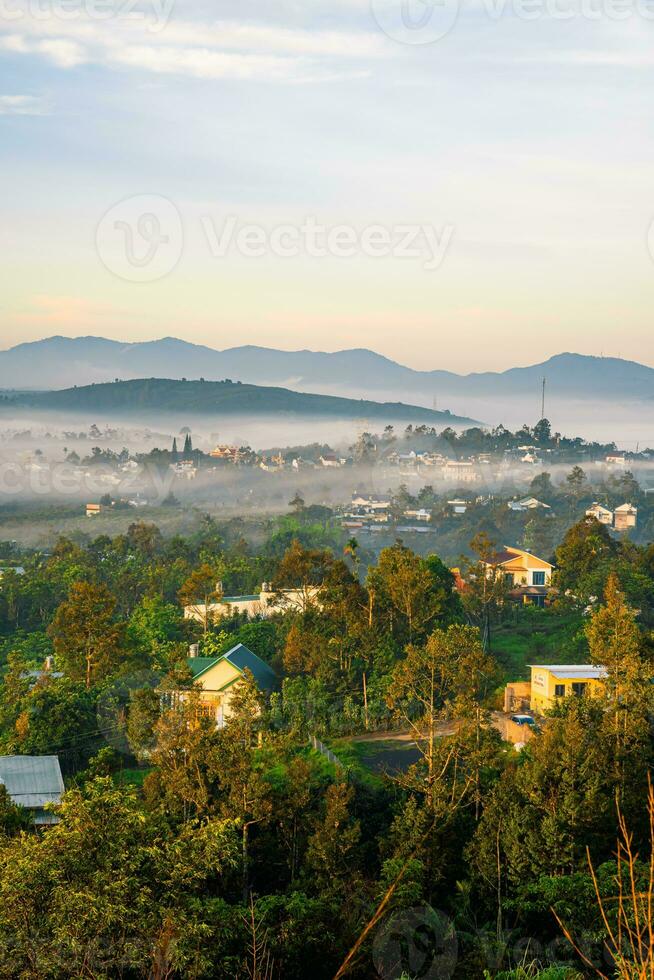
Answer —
538 636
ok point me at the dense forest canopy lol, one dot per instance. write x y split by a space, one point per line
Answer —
186 850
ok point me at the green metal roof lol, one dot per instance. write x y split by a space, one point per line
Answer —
242 659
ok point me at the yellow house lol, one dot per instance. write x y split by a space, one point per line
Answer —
529 576
549 682
217 677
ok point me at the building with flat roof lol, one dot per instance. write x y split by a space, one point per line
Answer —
551 682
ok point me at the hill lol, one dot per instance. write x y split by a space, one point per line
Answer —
220 398
59 362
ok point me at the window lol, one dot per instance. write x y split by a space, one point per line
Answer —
559 690
539 578
579 689
508 578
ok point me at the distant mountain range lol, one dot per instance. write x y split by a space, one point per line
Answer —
220 398
59 362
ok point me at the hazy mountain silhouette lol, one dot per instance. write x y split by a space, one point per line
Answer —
59 362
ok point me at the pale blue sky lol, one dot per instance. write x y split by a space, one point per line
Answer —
530 139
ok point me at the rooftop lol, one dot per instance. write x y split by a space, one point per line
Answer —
242 659
564 671
32 781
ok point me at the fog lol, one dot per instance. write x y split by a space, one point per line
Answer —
34 448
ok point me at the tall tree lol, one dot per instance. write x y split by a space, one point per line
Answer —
87 640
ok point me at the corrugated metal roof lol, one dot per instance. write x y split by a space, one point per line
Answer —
32 780
564 671
243 659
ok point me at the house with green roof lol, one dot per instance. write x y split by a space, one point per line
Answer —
217 677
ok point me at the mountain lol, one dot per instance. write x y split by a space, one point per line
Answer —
60 362
219 398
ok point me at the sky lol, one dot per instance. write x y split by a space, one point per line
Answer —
463 185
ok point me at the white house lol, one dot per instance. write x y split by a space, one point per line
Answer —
601 514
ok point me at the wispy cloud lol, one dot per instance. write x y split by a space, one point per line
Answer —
216 50
23 105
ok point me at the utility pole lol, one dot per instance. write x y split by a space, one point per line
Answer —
542 404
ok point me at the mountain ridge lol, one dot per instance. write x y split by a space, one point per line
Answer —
219 398
60 362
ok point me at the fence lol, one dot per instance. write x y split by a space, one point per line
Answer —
316 744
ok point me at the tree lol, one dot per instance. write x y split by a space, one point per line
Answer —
405 593
486 589
301 569
87 640
112 890
297 504
615 644
450 674
542 488
199 592
543 431
576 481
331 850
583 558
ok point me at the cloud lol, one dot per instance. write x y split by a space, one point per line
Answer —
23 105
209 50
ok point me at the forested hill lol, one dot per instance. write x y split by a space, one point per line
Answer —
221 398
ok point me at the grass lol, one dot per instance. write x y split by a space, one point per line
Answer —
538 636
132 777
370 760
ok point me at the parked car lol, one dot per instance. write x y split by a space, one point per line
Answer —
524 720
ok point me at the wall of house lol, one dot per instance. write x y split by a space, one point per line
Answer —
543 683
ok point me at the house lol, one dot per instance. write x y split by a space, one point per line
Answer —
229 454
460 471
32 781
528 576
625 517
549 682
418 515
264 604
616 459
216 679
529 503
92 510
601 514
458 506
330 460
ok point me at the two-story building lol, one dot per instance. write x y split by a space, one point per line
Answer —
260 605
529 578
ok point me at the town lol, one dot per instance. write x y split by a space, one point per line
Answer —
295 725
